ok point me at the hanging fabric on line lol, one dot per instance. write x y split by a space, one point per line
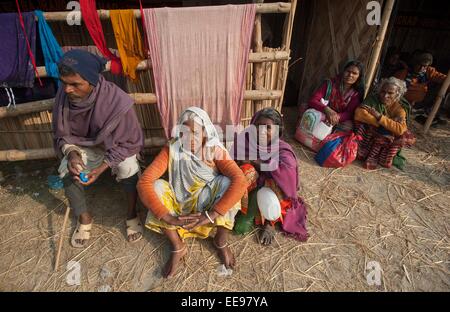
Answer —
17 65
50 47
199 58
128 39
92 22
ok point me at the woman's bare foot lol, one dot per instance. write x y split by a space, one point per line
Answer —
225 255
172 264
267 235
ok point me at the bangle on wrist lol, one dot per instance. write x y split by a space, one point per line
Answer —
207 215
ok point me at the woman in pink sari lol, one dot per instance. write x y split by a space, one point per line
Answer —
333 105
346 92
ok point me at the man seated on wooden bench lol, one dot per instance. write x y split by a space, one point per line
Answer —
95 128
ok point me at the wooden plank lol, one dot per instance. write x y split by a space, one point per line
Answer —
259 57
46 153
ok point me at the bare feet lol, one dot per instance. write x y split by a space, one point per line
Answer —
225 255
175 258
267 235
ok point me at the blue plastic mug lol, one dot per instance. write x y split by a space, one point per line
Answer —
55 182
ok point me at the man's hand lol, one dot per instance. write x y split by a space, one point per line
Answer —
75 163
332 116
93 175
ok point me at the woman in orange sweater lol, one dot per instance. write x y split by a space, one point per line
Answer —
203 192
381 121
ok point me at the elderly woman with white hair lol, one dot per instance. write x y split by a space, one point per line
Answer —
382 122
203 191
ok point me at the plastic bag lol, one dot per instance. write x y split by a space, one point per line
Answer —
338 150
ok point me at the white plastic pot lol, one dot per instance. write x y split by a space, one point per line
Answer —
268 204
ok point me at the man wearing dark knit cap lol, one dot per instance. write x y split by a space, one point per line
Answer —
95 128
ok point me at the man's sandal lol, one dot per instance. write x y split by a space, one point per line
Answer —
82 232
134 226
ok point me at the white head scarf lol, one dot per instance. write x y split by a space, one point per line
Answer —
188 174
199 116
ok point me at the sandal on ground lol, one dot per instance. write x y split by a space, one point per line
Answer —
82 232
134 226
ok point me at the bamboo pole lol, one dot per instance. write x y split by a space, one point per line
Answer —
286 45
61 236
437 103
17 155
263 8
47 153
379 43
258 68
25 108
260 57
139 98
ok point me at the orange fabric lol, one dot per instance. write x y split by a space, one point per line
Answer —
417 91
251 176
395 111
146 184
159 166
236 190
128 39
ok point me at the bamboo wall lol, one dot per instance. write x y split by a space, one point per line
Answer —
338 32
33 130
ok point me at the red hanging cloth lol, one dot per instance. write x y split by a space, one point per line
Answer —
30 52
92 22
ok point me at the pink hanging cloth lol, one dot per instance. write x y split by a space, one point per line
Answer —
199 58
92 22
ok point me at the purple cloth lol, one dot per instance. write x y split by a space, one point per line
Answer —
106 118
286 177
16 68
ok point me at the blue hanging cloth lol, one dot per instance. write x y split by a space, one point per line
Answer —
50 47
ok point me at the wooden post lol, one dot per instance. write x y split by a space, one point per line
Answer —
258 74
379 43
437 103
286 46
61 237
